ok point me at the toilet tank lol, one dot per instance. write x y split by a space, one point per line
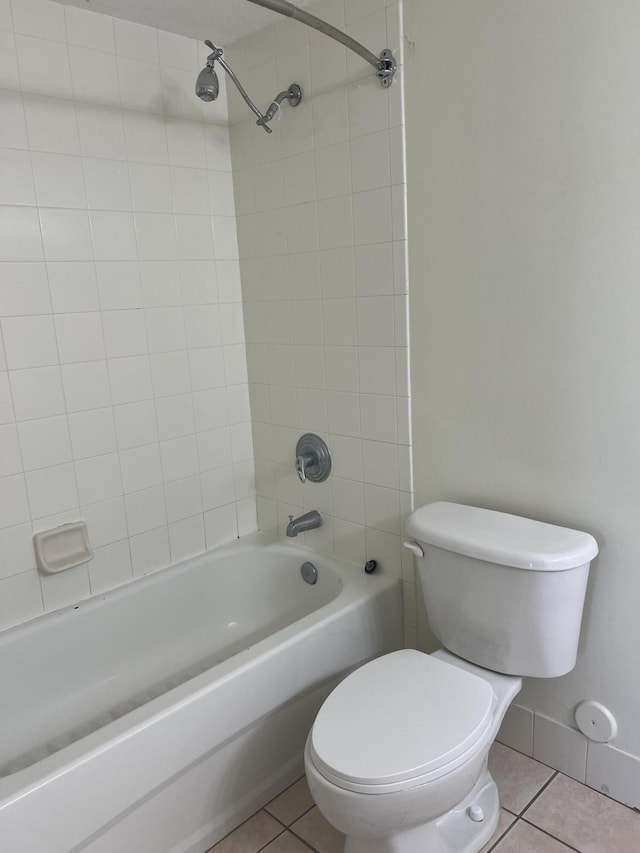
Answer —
502 591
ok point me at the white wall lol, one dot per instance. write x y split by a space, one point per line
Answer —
321 226
123 386
524 204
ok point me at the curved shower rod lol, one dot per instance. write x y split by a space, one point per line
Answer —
384 64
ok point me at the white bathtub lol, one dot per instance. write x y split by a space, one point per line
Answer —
155 718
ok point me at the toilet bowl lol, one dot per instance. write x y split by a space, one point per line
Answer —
397 756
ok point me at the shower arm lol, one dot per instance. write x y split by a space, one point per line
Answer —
289 95
384 64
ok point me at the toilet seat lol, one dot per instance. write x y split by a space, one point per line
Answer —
400 721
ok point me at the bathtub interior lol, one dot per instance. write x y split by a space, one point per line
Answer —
72 672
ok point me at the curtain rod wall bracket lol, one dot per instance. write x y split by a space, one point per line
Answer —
387 67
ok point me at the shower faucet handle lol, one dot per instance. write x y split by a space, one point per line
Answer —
303 461
313 460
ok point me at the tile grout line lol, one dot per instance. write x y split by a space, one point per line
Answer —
300 838
518 815
550 835
295 819
539 793
521 816
264 846
503 836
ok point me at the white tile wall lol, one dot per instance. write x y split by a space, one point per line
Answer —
123 382
324 283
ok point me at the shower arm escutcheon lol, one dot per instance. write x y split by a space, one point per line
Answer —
384 64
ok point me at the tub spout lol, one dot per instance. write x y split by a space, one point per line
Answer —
308 521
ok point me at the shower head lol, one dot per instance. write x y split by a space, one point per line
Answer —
207 84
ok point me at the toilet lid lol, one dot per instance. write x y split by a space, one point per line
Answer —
400 717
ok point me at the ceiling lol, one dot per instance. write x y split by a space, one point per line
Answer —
223 21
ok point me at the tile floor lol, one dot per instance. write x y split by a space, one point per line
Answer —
542 812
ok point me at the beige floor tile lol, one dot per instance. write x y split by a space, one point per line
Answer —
518 777
585 819
506 819
316 831
250 836
292 803
523 838
286 843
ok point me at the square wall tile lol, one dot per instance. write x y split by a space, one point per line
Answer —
79 337
16 181
110 567
86 385
51 490
36 53
99 478
10 459
66 235
150 550
135 40
13 130
106 521
20 237
145 510
29 341
24 290
187 538
16 550
20 598
89 29
92 433
65 588
73 287
44 442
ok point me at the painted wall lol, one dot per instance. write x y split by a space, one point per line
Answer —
524 204
123 384
321 227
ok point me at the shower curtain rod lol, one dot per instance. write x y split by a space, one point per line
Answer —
384 64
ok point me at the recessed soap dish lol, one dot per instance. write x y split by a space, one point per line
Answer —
62 548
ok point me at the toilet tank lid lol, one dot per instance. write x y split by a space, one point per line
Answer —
498 537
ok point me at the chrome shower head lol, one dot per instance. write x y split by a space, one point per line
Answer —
207 84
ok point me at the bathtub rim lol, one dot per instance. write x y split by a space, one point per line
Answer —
247 542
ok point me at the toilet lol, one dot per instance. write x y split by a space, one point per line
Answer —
397 756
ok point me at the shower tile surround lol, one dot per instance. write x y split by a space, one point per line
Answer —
123 379
320 208
123 366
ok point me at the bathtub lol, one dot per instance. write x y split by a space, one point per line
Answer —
157 717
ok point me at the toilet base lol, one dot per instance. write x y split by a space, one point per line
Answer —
454 832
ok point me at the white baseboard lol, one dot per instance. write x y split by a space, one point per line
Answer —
599 765
560 747
614 773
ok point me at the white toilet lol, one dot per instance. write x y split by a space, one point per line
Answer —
397 756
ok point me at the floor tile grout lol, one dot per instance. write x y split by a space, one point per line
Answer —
295 834
551 835
264 846
539 793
